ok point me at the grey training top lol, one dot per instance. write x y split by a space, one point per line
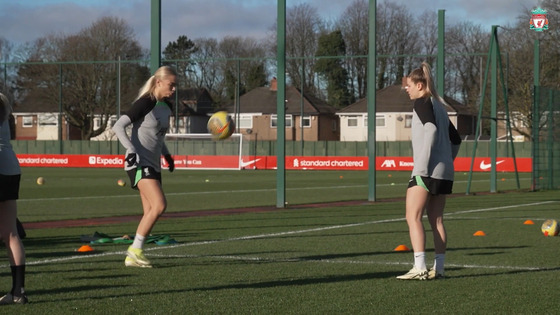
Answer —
150 122
9 164
435 141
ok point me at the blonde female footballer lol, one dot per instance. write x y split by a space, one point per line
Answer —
149 117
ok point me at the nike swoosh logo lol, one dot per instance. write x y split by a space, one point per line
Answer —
223 128
245 164
484 166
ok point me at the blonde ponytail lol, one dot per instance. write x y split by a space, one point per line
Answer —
150 85
147 88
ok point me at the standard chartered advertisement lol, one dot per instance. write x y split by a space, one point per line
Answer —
462 164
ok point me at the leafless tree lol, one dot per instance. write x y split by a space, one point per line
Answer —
354 26
229 64
303 27
86 66
206 72
396 36
467 51
242 64
427 30
5 54
406 39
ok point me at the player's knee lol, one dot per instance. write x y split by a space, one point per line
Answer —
413 215
159 209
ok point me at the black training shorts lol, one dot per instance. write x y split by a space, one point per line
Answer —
432 185
142 172
9 187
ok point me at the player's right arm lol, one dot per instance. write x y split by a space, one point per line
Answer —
131 159
424 110
139 109
455 140
120 131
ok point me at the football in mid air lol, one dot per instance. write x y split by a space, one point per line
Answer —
220 125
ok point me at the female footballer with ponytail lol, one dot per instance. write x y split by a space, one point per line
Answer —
435 144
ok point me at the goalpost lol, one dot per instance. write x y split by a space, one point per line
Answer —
201 151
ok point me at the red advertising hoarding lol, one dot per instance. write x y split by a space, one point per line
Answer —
70 160
462 164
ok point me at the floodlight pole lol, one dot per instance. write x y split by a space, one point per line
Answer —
371 110
493 110
155 40
280 106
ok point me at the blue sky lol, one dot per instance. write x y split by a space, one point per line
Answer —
26 20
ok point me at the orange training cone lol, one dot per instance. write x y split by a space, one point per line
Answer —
402 248
479 233
85 248
529 222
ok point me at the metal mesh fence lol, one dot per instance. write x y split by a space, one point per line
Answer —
546 139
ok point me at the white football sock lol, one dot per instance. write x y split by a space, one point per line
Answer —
138 241
420 260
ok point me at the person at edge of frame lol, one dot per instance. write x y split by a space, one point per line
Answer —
10 176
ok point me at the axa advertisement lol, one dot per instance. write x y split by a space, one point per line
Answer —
462 164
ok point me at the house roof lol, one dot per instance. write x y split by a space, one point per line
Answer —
263 100
194 102
395 99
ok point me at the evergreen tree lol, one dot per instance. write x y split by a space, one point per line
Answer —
182 49
330 49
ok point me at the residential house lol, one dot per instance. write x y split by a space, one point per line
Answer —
306 117
517 121
193 111
393 117
41 121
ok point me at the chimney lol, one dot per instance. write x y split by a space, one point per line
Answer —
273 84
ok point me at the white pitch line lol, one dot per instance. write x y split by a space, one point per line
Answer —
325 228
75 257
505 207
342 261
213 192
269 235
187 193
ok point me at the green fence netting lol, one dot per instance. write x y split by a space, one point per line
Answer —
546 139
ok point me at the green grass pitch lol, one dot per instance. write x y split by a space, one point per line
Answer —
304 259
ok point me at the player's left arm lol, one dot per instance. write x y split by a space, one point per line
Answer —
455 139
170 162
168 158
